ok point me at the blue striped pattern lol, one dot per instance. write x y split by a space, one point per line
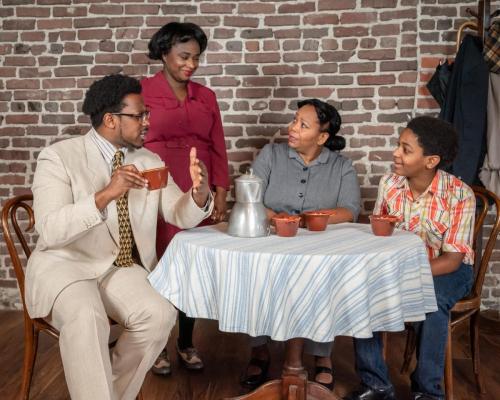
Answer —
316 285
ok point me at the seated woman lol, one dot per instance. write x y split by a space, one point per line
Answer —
305 174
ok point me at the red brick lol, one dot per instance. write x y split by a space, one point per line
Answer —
322 93
282 20
355 92
30 95
300 56
241 21
358 18
379 3
99 70
58 119
224 81
337 56
280 69
38 12
297 81
286 93
335 80
357 67
336 5
260 93
404 14
19 61
354 31
321 19
376 79
218 58
220 8
125 21
141 9
42 130
256 81
111 9
33 36
59 23
204 21
69 11
275 118
387 54
94 34
58 83
20 119
262 58
255 8
323 68
18 24
116 58
178 9
398 66
386 30
287 33
23 84
90 23
7 72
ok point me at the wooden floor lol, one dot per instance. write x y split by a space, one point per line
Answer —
225 356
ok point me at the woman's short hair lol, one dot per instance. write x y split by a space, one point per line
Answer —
171 34
436 137
330 121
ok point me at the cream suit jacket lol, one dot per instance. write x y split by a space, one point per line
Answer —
75 241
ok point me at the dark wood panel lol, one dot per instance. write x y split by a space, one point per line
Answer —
225 357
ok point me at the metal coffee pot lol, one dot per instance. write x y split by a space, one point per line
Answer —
248 217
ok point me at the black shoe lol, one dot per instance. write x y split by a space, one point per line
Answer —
366 393
422 396
253 381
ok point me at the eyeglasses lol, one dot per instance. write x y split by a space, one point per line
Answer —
141 117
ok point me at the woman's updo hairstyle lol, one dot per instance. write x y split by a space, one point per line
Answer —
330 121
171 34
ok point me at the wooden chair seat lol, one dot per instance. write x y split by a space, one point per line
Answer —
12 230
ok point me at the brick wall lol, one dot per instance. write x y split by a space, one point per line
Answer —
370 58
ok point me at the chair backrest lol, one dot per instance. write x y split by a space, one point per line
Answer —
12 230
484 199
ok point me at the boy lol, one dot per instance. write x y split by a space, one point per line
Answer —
440 209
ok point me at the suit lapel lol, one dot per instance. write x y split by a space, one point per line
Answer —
100 171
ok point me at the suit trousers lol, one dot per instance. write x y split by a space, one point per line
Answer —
80 313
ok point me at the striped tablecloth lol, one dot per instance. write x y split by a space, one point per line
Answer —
316 285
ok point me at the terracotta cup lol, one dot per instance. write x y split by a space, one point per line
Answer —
383 225
157 177
286 225
316 220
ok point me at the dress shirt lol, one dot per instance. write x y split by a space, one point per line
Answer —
443 215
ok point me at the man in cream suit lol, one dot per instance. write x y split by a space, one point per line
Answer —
85 266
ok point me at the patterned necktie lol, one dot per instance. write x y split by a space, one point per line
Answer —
124 258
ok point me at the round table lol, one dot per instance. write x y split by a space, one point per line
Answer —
316 285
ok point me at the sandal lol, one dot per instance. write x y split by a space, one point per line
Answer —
253 381
323 370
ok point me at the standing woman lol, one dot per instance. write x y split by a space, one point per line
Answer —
184 114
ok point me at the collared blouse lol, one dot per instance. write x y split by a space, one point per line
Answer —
291 186
175 126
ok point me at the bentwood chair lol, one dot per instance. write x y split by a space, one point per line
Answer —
12 227
467 309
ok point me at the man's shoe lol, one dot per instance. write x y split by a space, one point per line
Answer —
190 358
253 381
366 393
162 364
422 396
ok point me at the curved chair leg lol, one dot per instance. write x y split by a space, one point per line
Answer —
30 348
410 346
474 346
448 368
139 395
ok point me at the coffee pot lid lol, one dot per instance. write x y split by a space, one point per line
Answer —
249 177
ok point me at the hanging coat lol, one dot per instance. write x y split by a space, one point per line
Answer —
465 108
